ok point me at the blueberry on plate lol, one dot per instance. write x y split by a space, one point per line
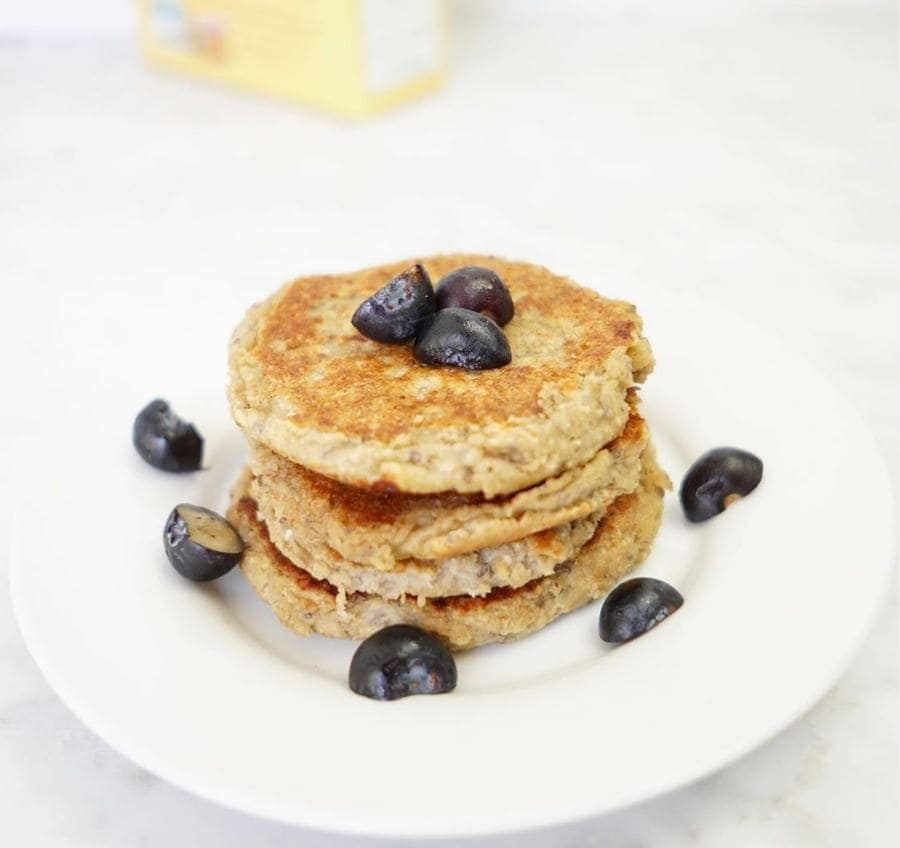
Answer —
478 289
463 339
201 545
718 479
636 606
401 660
398 309
166 441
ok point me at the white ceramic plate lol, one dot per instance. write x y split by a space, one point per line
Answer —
200 685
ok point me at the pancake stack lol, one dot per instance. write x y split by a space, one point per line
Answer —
478 505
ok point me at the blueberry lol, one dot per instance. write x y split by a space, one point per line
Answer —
463 339
478 289
200 544
396 311
165 440
717 480
399 661
636 606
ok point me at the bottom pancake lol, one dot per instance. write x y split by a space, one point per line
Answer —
306 605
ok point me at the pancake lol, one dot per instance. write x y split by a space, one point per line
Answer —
476 573
382 529
307 385
306 605
513 563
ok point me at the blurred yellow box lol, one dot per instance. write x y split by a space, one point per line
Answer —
352 57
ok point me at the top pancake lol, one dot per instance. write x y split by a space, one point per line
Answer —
305 383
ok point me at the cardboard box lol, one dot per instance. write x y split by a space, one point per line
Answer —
352 57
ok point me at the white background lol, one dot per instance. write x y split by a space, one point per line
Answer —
743 151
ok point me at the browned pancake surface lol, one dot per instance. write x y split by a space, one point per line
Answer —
338 380
305 383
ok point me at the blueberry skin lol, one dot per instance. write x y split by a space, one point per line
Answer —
166 441
716 480
476 288
636 606
191 559
463 339
399 661
395 312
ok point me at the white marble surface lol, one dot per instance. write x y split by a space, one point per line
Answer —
744 154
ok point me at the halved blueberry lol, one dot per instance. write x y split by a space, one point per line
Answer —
396 312
636 606
718 479
201 545
166 441
463 339
399 661
476 288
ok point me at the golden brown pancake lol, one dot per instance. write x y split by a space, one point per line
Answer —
306 384
307 605
384 530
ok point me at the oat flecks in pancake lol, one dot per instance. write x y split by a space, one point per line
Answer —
306 384
385 532
306 605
